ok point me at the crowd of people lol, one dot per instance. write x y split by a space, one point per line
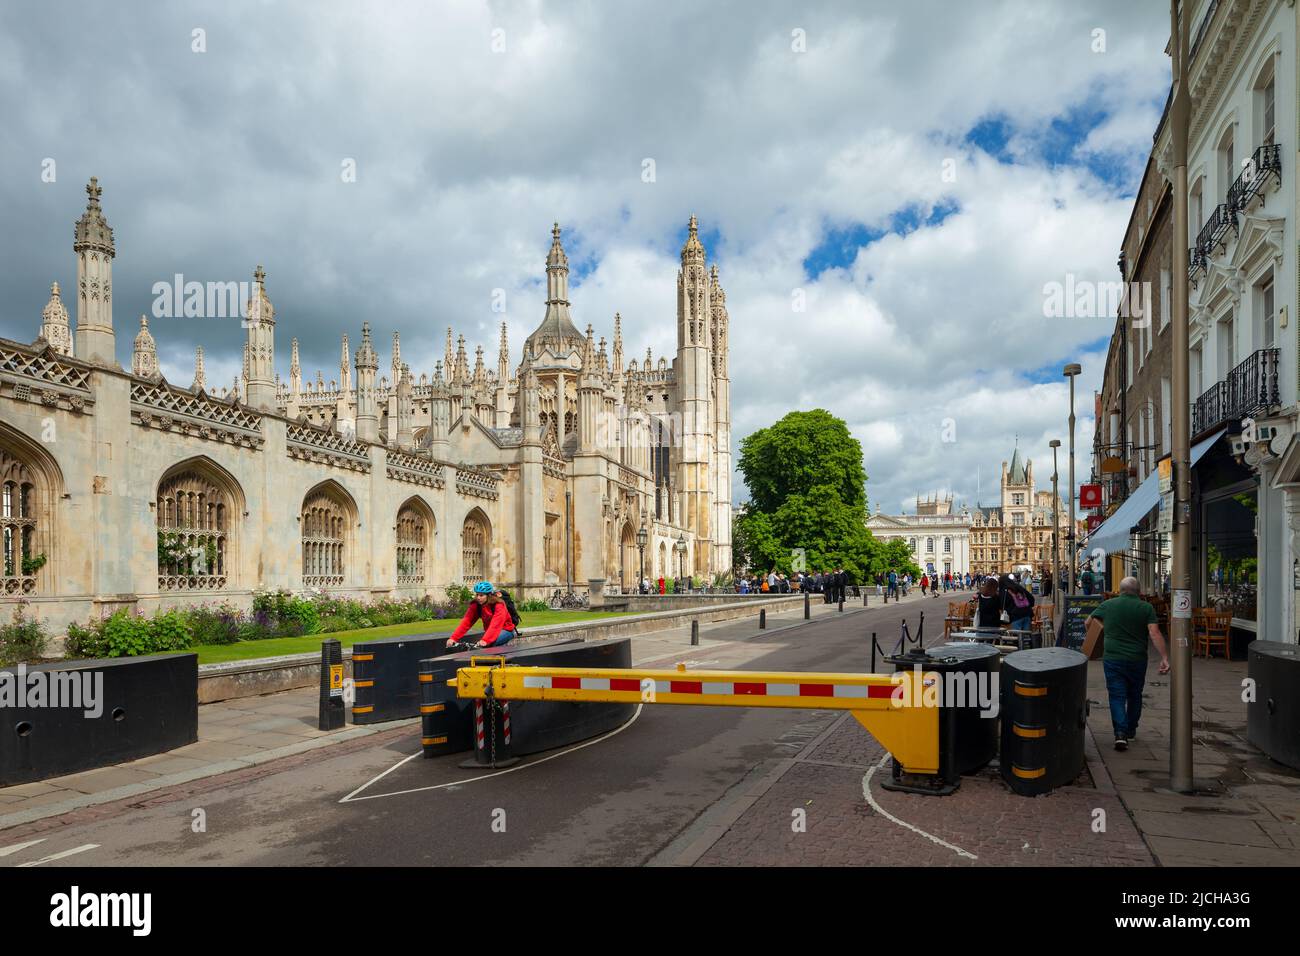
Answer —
831 585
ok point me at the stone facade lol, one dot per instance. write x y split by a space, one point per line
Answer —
120 489
938 537
1017 532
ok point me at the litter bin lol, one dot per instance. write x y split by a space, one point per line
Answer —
1044 710
1273 717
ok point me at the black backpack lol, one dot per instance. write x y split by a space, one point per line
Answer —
510 606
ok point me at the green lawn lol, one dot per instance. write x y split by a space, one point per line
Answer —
246 650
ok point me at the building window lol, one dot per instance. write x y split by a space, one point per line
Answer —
1018 518
193 523
18 526
929 545
551 544
1017 499
474 544
324 540
1268 103
1268 322
412 544
947 545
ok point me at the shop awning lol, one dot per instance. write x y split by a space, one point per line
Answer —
1113 534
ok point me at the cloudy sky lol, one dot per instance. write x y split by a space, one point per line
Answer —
913 173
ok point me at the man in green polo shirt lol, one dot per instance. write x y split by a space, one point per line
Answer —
1129 621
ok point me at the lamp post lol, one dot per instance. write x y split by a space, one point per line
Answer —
1070 372
642 536
680 548
1180 565
1055 443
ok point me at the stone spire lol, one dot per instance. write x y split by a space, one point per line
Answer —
618 344
602 359
693 250
295 371
720 323
54 323
367 402
557 329
503 357
144 357
236 393
480 371
405 409
648 362
345 365
588 352
200 377
259 346
397 357
93 244
449 358
461 375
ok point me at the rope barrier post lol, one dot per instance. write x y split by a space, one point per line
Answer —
332 713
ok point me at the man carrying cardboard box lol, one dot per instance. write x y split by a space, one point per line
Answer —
1128 621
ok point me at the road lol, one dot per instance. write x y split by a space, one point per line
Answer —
675 785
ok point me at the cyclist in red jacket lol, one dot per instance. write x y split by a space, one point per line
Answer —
489 607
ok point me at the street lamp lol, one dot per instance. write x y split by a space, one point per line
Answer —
1055 443
1070 372
642 536
680 548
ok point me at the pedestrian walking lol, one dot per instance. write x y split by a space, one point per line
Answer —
1129 622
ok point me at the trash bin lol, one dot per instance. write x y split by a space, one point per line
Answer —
1273 717
1044 710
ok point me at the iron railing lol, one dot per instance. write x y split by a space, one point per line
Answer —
1250 388
1216 227
1266 161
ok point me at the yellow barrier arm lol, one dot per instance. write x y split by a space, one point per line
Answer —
894 708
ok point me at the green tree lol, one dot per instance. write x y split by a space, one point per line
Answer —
809 500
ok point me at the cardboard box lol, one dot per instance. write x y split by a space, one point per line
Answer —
1094 641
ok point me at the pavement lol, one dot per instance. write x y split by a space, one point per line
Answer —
1246 808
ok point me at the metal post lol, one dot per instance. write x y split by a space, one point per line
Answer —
332 714
1056 535
762 619
807 611
695 632
841 605
1071 555
1180 573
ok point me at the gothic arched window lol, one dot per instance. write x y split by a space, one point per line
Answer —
413 525
475 541
325 523
20 559
193 520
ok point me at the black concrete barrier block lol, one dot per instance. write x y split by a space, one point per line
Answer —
1273 717
122 709
1044 712
448 722
386 675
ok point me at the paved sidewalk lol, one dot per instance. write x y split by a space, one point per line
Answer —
237 734
1246 811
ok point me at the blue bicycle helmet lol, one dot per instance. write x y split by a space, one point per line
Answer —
484 587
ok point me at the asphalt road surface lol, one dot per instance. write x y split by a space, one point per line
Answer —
639 795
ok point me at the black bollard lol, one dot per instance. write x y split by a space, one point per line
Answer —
695 632
841 605
807 611
762 619
332 715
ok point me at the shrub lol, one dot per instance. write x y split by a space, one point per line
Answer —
213 626
85 641
23 639
459 595
126 635
533 604
169 631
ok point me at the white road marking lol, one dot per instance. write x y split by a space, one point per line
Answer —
352 798
60 856
866 792
19 847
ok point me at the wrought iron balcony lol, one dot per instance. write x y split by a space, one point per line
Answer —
1250 388
1195 264
1266 161
1216 227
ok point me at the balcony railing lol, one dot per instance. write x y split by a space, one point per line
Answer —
1266 161
1216 227
1195 264
1250 388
